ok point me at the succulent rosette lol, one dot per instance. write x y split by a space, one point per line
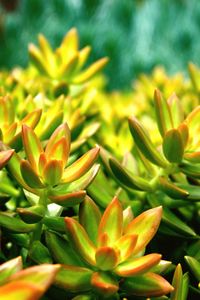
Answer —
111 248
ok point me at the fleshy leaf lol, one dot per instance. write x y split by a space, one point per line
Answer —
31 214
176 109
5 156
104 283
125 245
32 146
32 119
90 71
137 266
144 143
89 218
20 290
61 131
194 266
81 166
145 226
80 240
112 221
70 199
15 224
177 284
59 151
106 258
30 176
172 190
173 146
40 253
126 179
163 114
74 279
53 171
61 250
10 267
147 285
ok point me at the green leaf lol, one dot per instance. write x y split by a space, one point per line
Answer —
176 109
55 223
90 71
80 240
173 146
104 283
81 166
52 172
5 156
74 279
32 146
31 178
144 143
194 266
89 218
61 250
10 267
67 200
31 214
112 221
60 132
147 285
145 226
125 179
137 266
177 283
106 258
15 224
39 253
172 189
163 113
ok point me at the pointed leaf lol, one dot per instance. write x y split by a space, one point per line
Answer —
30 176
144 143
5 156
32 118
32 146
47 52
194 266
125 179
163 114
184 131
14 224
106 258
69 44
81 166
42 275
37 59
74 279
90 71
60 132
112 221
53 171
104 283
80 240
89 218
145 226
147 285
177 284
39 253
173 146
20 290
68 200
125 245
59 151
32 214
176 109
10 267
172 190
193 157
137 266
82 57
61 250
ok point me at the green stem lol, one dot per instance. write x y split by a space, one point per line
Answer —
36 235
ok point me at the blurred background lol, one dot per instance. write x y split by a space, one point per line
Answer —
136 35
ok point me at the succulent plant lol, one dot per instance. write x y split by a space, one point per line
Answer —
111 248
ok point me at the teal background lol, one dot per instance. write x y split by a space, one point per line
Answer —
136 35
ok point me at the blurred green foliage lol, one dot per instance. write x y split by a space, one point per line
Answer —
136 35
